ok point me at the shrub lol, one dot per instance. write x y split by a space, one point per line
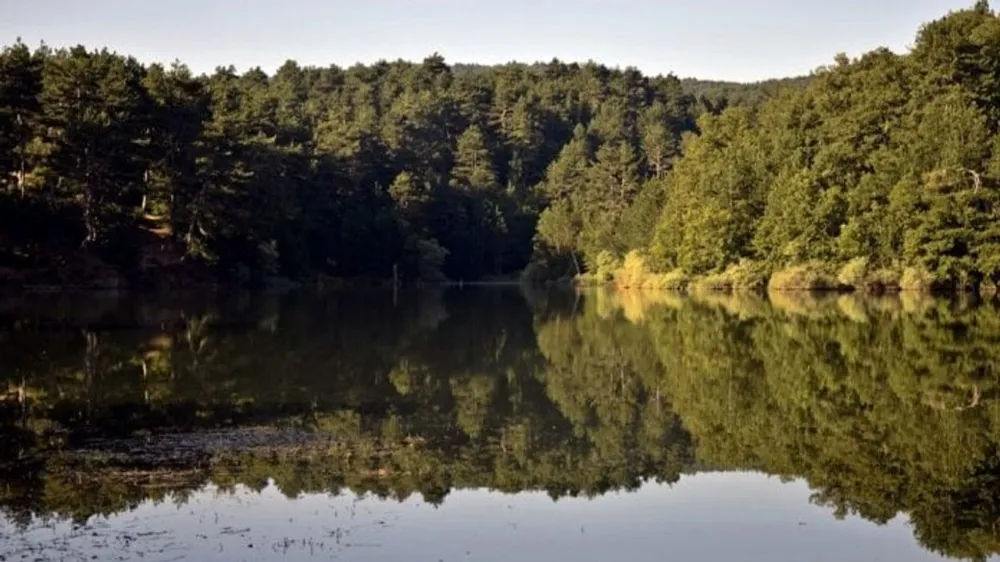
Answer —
807 277
713 282
859 274
854 274
604 267
587 280
916 279
748 275
675 280
634 273
884 279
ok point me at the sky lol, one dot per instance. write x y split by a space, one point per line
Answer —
742 40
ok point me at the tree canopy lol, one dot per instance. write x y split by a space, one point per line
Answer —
466 172
886 158
151 170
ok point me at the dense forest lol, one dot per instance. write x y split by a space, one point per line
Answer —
876 172
884 405
340 172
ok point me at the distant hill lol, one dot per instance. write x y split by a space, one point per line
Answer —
712 93
740 93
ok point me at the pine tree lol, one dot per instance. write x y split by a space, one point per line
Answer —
95 110
20 86
473 163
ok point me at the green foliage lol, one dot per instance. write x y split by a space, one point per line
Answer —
473 163
806 277
854 273
916 279
715 96
859 275
747 275
634 273
604 266
884 278
324 171
676 280
713 198
887 157
639 220
890 158
559 230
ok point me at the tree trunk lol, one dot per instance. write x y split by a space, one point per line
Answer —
145 383
21 165
20 178
145 194
89 220
90 366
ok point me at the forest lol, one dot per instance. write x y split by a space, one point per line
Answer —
877 172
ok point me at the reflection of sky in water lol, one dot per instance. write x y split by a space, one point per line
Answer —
711 516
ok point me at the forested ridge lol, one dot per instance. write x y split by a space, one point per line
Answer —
342 172
877 172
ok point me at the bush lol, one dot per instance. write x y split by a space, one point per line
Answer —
962 279
713 282
854 274
675 280
635 274
587 280
858 274
807 277
747 275
916 279
604 267
884 279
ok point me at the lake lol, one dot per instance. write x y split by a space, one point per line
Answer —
499 423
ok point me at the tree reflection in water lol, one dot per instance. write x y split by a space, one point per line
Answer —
883 405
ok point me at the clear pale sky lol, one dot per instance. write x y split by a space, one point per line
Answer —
720 39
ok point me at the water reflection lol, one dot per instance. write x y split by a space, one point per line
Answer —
885 407
702 517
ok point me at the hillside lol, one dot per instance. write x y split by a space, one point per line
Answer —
880 172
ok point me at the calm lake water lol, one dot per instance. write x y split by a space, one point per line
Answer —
496 424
